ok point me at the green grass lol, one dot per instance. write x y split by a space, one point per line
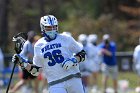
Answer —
130 76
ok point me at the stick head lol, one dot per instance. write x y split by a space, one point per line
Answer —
19 40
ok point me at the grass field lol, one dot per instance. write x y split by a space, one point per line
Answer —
129 76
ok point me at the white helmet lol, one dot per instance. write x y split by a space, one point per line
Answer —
92 38
49 27
106 37
82 38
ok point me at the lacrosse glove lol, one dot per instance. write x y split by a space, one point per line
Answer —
21 61
68 63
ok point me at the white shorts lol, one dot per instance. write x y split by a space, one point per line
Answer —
73 85
96 67
85 69
111 71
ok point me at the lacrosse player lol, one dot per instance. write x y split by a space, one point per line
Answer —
27 53
58 56
1 61
136 60
88 67
94 58
84 69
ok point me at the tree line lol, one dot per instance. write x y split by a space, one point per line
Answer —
119 18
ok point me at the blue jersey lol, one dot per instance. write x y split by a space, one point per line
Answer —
109 60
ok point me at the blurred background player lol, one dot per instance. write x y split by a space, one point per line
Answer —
94 59
109 66
86 67
1 70
136 60
1 61
27 53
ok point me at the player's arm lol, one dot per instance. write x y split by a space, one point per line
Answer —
106 52
78 57
74 47
31 68
77 49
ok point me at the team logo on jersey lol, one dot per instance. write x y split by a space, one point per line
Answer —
52 46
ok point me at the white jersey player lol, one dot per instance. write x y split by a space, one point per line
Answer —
94 57
85 70
58 56
84 66
88 66
136 58
1 61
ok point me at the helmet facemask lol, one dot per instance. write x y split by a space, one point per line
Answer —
49 27
50 32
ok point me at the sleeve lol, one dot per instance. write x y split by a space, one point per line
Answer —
24 50
37 59
74 46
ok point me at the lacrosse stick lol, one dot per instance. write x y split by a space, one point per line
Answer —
19 41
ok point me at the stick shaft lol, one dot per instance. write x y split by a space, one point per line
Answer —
11 77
